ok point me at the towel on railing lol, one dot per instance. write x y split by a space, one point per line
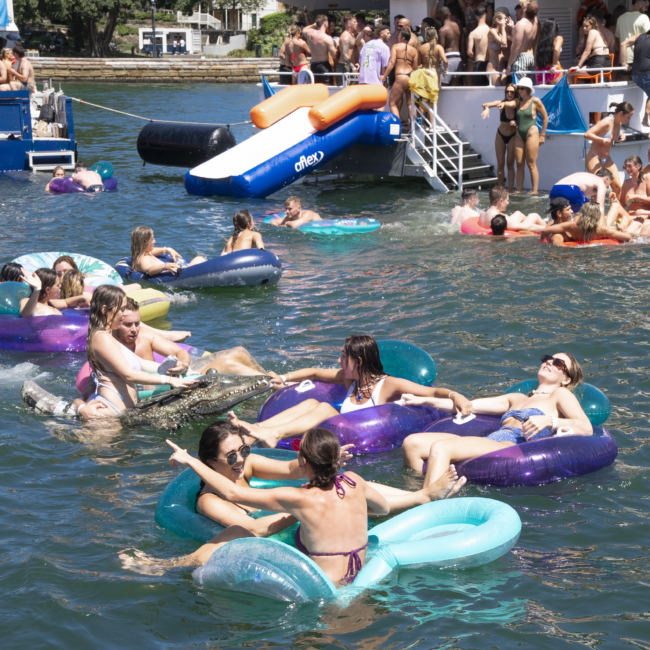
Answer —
424 82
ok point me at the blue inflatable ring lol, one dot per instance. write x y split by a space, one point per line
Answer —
333 226
454 533
246 268
375 429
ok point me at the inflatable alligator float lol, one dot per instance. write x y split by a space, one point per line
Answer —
213 394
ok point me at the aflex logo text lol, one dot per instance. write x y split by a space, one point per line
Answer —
309 161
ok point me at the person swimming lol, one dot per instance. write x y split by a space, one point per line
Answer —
244 236
45 287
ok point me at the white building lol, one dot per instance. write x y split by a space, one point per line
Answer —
165 37
228 20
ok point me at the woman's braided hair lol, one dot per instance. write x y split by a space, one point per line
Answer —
322 450
241 221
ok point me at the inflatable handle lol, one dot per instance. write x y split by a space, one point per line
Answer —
281 104
103 168
345 102
459 419
304 386
564 431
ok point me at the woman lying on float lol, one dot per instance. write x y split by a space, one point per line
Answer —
524 418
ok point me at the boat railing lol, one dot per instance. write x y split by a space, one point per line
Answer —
348 78
436 143
306 76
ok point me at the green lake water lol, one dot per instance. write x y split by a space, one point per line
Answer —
73 496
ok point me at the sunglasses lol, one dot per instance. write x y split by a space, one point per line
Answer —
558 363
244 451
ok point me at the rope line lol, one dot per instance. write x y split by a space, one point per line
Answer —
147 119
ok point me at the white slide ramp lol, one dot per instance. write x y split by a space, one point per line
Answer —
258 149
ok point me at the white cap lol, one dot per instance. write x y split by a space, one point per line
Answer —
526 83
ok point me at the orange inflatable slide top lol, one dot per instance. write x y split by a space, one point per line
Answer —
345 102
281 104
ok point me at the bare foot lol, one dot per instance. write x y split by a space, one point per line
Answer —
177 337
140 562
447 485
266 436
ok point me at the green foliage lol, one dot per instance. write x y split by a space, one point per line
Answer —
143 15
125 30
280 20
273 30
241 54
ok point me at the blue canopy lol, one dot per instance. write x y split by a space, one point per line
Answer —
563 113
4 15
268 90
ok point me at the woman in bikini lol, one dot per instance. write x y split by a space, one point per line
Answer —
404 59
334 507
297 49
504 142
115 368
367 384
45 287
596 52
603 135
432 57
144 252
497 41
524 418
528 139
244 236
634 206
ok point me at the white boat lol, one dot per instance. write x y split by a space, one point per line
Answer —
452 147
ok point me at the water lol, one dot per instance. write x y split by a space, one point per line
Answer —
73 496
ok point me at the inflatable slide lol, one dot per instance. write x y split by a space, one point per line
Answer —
301 128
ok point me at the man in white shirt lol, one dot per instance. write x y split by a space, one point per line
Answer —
182 46
374 57
631 23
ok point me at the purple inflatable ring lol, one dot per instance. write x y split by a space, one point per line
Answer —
371 430
65 333
530 463
68 186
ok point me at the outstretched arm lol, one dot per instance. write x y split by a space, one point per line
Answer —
282 499
279 470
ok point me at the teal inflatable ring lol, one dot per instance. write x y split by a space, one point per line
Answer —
96 271
454 533
593 401
176 509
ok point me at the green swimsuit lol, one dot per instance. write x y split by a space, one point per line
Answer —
525 120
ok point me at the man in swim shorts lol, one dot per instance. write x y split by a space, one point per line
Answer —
499 201
477 47
296 216
25 72
524 41
467 210
235 361
347 43
322 48
91 181
450 40
581 187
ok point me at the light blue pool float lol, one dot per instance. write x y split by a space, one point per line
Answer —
333 226
455 533
96 271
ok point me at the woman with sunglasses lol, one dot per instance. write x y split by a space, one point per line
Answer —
524 418
504 143
367 384
333 510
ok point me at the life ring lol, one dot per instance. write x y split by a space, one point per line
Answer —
470 227
245 268
538 462
593 242
468 532
333 226
96 271
375 429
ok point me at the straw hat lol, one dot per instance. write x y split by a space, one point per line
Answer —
526 83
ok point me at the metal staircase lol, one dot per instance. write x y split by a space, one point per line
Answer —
441 155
